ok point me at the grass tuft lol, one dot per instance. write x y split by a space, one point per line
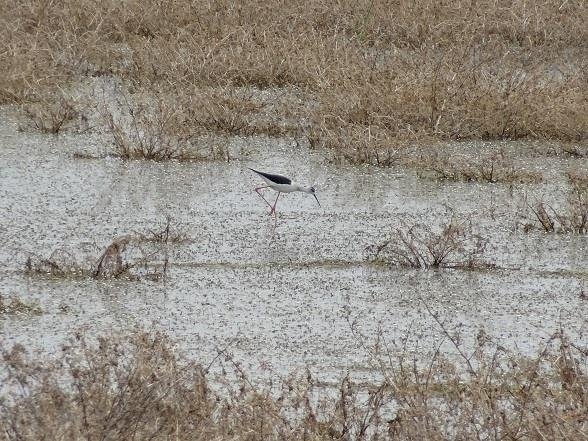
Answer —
572 218
14 305
452 245
495 168
133 256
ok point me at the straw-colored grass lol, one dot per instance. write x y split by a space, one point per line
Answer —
139 386
494 168
378 74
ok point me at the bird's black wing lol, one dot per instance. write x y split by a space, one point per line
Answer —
278 179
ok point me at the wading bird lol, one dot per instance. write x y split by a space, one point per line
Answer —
281 184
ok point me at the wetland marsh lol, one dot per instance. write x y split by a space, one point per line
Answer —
441 287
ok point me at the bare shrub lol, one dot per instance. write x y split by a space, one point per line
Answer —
487 392
52 115
121 388
154 133
452 245
571 218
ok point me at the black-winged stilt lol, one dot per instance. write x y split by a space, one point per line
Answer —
281 184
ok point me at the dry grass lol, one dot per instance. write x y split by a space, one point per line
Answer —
241 112
132 256
451 245
572 217
494 168
165 126
53 115
154 131
138 386
379 74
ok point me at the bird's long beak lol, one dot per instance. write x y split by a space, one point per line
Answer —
317 201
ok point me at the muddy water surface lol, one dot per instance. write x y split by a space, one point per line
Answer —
297 294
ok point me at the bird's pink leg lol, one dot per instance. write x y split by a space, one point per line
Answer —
273 210
261 196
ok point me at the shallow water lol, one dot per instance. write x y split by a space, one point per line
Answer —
300 294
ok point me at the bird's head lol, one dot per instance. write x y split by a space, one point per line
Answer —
312 191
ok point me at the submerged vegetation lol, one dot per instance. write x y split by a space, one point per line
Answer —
138 386
364 78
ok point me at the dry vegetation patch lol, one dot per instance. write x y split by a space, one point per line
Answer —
138 386
569 217
379 74
493 168
155 132
52 115
573 218
140 255
14 305
166 126
453 244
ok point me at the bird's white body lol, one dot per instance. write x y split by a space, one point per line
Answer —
285 188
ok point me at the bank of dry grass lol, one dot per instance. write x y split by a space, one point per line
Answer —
138 386
379 74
